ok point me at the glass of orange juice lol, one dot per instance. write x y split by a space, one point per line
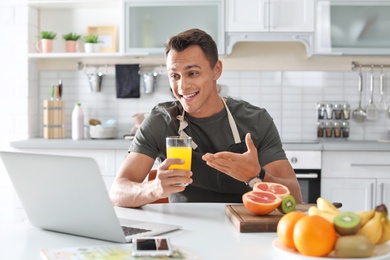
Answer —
180 147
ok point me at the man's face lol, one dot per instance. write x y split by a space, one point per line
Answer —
193 81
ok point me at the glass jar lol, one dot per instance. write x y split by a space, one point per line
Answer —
320 129
337 111
328 129
329 111
337 129
345 129
346 111
321 111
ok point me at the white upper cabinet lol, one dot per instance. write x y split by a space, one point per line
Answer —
346 27
150 23
269 15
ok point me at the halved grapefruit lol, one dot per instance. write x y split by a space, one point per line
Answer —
260 202
278 189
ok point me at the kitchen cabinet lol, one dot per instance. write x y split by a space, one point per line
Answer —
149 23
67 16
354 194
352 27
360 180
269 20
269 15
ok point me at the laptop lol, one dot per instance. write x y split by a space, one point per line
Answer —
67 194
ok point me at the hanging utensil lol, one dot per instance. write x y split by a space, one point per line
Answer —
95 81
371 110
382 107
359 113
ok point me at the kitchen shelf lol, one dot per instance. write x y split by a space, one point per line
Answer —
73 55
44 4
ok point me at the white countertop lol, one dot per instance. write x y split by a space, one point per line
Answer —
121 144
206 232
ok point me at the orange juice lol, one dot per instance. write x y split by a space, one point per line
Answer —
184 153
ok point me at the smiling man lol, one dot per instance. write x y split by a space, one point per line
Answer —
236 143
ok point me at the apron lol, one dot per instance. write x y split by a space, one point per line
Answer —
210 184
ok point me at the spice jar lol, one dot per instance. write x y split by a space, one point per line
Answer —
345 129
328 129
346 111
337 110
337 129
329 111
321 111
320 129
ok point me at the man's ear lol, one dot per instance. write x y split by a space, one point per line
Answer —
217 69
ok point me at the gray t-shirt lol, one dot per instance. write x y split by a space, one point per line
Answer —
212 134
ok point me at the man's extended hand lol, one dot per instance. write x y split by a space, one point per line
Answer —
242 167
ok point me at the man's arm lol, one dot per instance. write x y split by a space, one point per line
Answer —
245 166
129 188
280 171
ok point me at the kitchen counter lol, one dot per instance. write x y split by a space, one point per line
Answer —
121 144
94 144
206 233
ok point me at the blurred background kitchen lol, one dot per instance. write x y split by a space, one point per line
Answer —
287 77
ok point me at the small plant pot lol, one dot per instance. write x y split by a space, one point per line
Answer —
71 46
45 45
91 47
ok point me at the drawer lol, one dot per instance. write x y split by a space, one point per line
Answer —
356 164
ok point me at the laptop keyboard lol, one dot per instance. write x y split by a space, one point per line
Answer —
132 231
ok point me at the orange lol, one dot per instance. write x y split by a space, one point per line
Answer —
260 202
314 236
276 188
285 228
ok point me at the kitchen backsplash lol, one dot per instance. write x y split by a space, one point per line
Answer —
290 97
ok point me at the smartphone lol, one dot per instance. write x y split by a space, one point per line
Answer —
152 246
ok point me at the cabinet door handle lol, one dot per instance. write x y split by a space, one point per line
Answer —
372 196
381 192
306 175
369 164
273 14
266 14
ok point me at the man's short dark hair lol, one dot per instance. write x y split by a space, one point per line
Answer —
185 39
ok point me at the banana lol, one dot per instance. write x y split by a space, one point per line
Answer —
385 223
313 210
365 216
326 206
385 232
373 228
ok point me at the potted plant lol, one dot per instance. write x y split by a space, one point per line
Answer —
45 43
71 44
92 43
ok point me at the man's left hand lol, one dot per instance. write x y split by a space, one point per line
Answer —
242 167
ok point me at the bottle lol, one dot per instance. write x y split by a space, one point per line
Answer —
77 122
346 111
320 129
321 111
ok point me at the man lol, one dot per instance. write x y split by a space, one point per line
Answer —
237 144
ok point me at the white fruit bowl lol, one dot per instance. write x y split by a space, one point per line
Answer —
103 132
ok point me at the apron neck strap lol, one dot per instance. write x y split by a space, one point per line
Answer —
232 124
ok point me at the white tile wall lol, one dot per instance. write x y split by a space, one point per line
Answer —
289 96
13 92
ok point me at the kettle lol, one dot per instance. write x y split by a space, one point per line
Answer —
95 81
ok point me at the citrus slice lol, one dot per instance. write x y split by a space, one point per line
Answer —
260 202
275 188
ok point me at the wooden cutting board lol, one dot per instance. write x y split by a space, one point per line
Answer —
247 222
